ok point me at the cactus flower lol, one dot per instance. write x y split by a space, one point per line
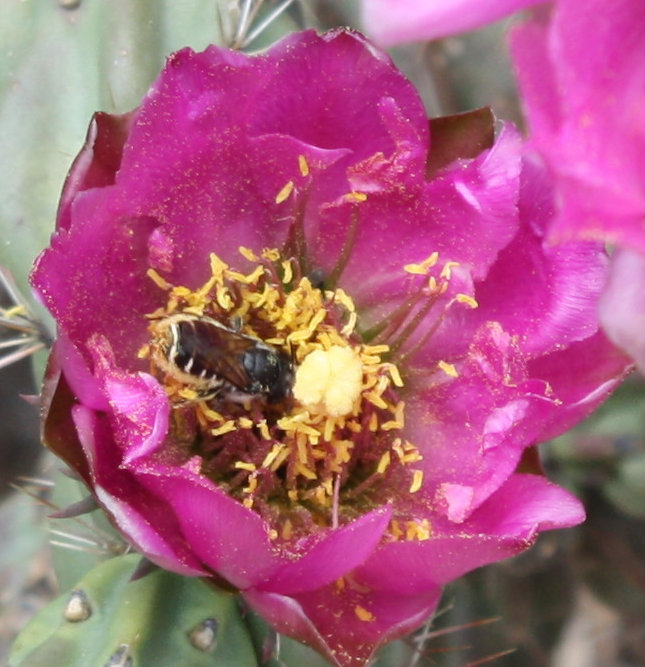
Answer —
300 355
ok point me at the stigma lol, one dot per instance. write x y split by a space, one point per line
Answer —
329 381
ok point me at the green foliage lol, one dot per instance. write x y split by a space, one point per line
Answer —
57 66
162 619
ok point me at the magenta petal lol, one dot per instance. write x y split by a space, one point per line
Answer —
334 555
565 79
226 536
129 508
393 22
139 405
489 413
328 619
83 383
622 307
506 524
99 160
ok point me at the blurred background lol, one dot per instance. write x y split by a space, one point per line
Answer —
577 599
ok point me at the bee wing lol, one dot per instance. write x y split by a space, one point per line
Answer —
219 351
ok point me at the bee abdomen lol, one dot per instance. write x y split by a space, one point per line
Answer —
185 349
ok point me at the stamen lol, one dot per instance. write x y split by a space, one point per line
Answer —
448 369
363 614
303 165
331 439
283 195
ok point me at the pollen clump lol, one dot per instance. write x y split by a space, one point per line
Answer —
329 381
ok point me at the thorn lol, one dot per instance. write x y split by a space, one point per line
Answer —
143 569
72 474
32 399
83 506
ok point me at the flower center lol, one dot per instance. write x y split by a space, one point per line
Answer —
276 396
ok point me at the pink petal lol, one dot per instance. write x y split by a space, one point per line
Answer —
393 22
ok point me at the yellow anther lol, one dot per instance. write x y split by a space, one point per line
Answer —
304 471
188 394
384 463
287 530
283 195
448 369
273 454
247 253
373 423
217 266
264 429
446 271
421 269
395 529
243 465
417 481
468 300
376 349
226 427
252 485
271 254
363 614
356 196
156 279
287 270
303 165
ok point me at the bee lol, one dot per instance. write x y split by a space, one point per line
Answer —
217 361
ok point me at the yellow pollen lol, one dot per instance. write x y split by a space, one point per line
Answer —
243 465
448 369
363 614
188 394
158 280
273 534
253 485
247 253
356 196
329 381
272 254
264 430
226 427
288 272
468 300
417 530
417 481
272 455
303 165
283 195
421 269
287 529
217 266
373 423
384 463
446 272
